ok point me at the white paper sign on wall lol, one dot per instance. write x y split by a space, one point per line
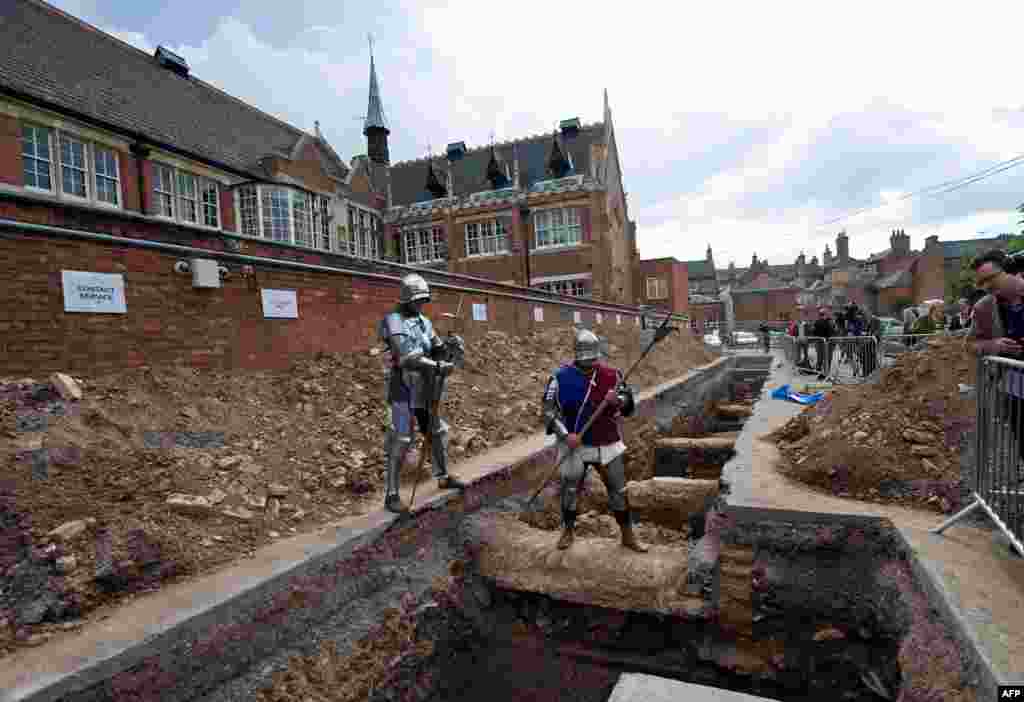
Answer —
538 314
618 319
479 312
600 318
99 293
279 304
577 317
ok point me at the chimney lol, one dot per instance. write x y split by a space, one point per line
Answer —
899 242
843 248
931 243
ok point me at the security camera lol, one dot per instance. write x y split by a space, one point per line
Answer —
182 267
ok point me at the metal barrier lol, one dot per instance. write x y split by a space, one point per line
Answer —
851 359
999 449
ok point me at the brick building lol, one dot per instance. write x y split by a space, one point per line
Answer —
664 284
120 162
547 211
884 282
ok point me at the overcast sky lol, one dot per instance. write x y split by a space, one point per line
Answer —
742 125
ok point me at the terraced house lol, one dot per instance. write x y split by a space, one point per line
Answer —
96 134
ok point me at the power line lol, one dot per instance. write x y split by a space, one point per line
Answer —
937 189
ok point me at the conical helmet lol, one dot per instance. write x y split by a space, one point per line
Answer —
413 288
588 348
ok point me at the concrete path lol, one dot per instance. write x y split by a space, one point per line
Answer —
980 580
637 687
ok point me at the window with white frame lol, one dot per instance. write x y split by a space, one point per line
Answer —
576 288
557 227
486 238
108 186
657 289
361 237
277 221
35 157
185 197
249 210
322 222
424 245
188 204
84 170
74 178
301 214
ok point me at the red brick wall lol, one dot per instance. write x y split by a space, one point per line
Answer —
929 276
129 166
677 279
10 151
169 321
768 305
227 209
891 299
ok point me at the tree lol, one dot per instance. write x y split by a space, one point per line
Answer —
1017 243
962 283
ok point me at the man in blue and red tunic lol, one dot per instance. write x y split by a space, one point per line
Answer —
573 394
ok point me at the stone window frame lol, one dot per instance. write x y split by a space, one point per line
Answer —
176 194
55 164
480 232
413 241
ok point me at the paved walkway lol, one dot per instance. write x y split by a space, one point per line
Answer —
982 579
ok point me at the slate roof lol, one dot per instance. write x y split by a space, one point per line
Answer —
897 279
59 60
408 178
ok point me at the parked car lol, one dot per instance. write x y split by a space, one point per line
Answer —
745 337
712 339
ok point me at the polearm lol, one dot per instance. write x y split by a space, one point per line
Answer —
435 403
660 333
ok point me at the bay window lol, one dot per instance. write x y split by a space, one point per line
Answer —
557 227
285 214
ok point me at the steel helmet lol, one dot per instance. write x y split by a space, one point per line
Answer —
587 346
414 288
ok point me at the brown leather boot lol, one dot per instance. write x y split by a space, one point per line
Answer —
393 503
628 537
568 536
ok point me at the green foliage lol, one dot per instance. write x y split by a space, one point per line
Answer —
962 284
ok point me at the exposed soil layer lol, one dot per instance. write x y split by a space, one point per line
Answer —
269 454
895 441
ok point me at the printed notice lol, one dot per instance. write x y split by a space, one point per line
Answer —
600 318
577 318
99 293
538 314
279 304
479 312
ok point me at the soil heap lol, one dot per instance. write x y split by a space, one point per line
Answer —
156 474
896 440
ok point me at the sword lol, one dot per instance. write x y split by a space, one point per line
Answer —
660 333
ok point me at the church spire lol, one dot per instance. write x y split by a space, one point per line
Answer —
375 128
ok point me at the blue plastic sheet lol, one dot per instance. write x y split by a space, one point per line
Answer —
785 393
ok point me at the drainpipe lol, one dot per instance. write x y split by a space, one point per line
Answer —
141 153
524 218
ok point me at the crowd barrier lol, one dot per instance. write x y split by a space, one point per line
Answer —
999 449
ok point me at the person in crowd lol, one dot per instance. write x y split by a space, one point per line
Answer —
910 317
823 329
962 319
998 318
873 329
766 338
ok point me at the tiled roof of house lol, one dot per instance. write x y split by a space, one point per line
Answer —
469 174
60 61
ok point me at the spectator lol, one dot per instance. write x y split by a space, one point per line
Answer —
961 320
909 318
998 318
765 337
929 323
824 330
873 328
802 356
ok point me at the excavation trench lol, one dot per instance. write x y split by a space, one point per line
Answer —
470 600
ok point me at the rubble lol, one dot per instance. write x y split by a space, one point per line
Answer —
896 440
67 386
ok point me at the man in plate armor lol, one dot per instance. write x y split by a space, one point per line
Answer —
420 364
573 394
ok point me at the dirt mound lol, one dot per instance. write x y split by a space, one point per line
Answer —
163 473
897 440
